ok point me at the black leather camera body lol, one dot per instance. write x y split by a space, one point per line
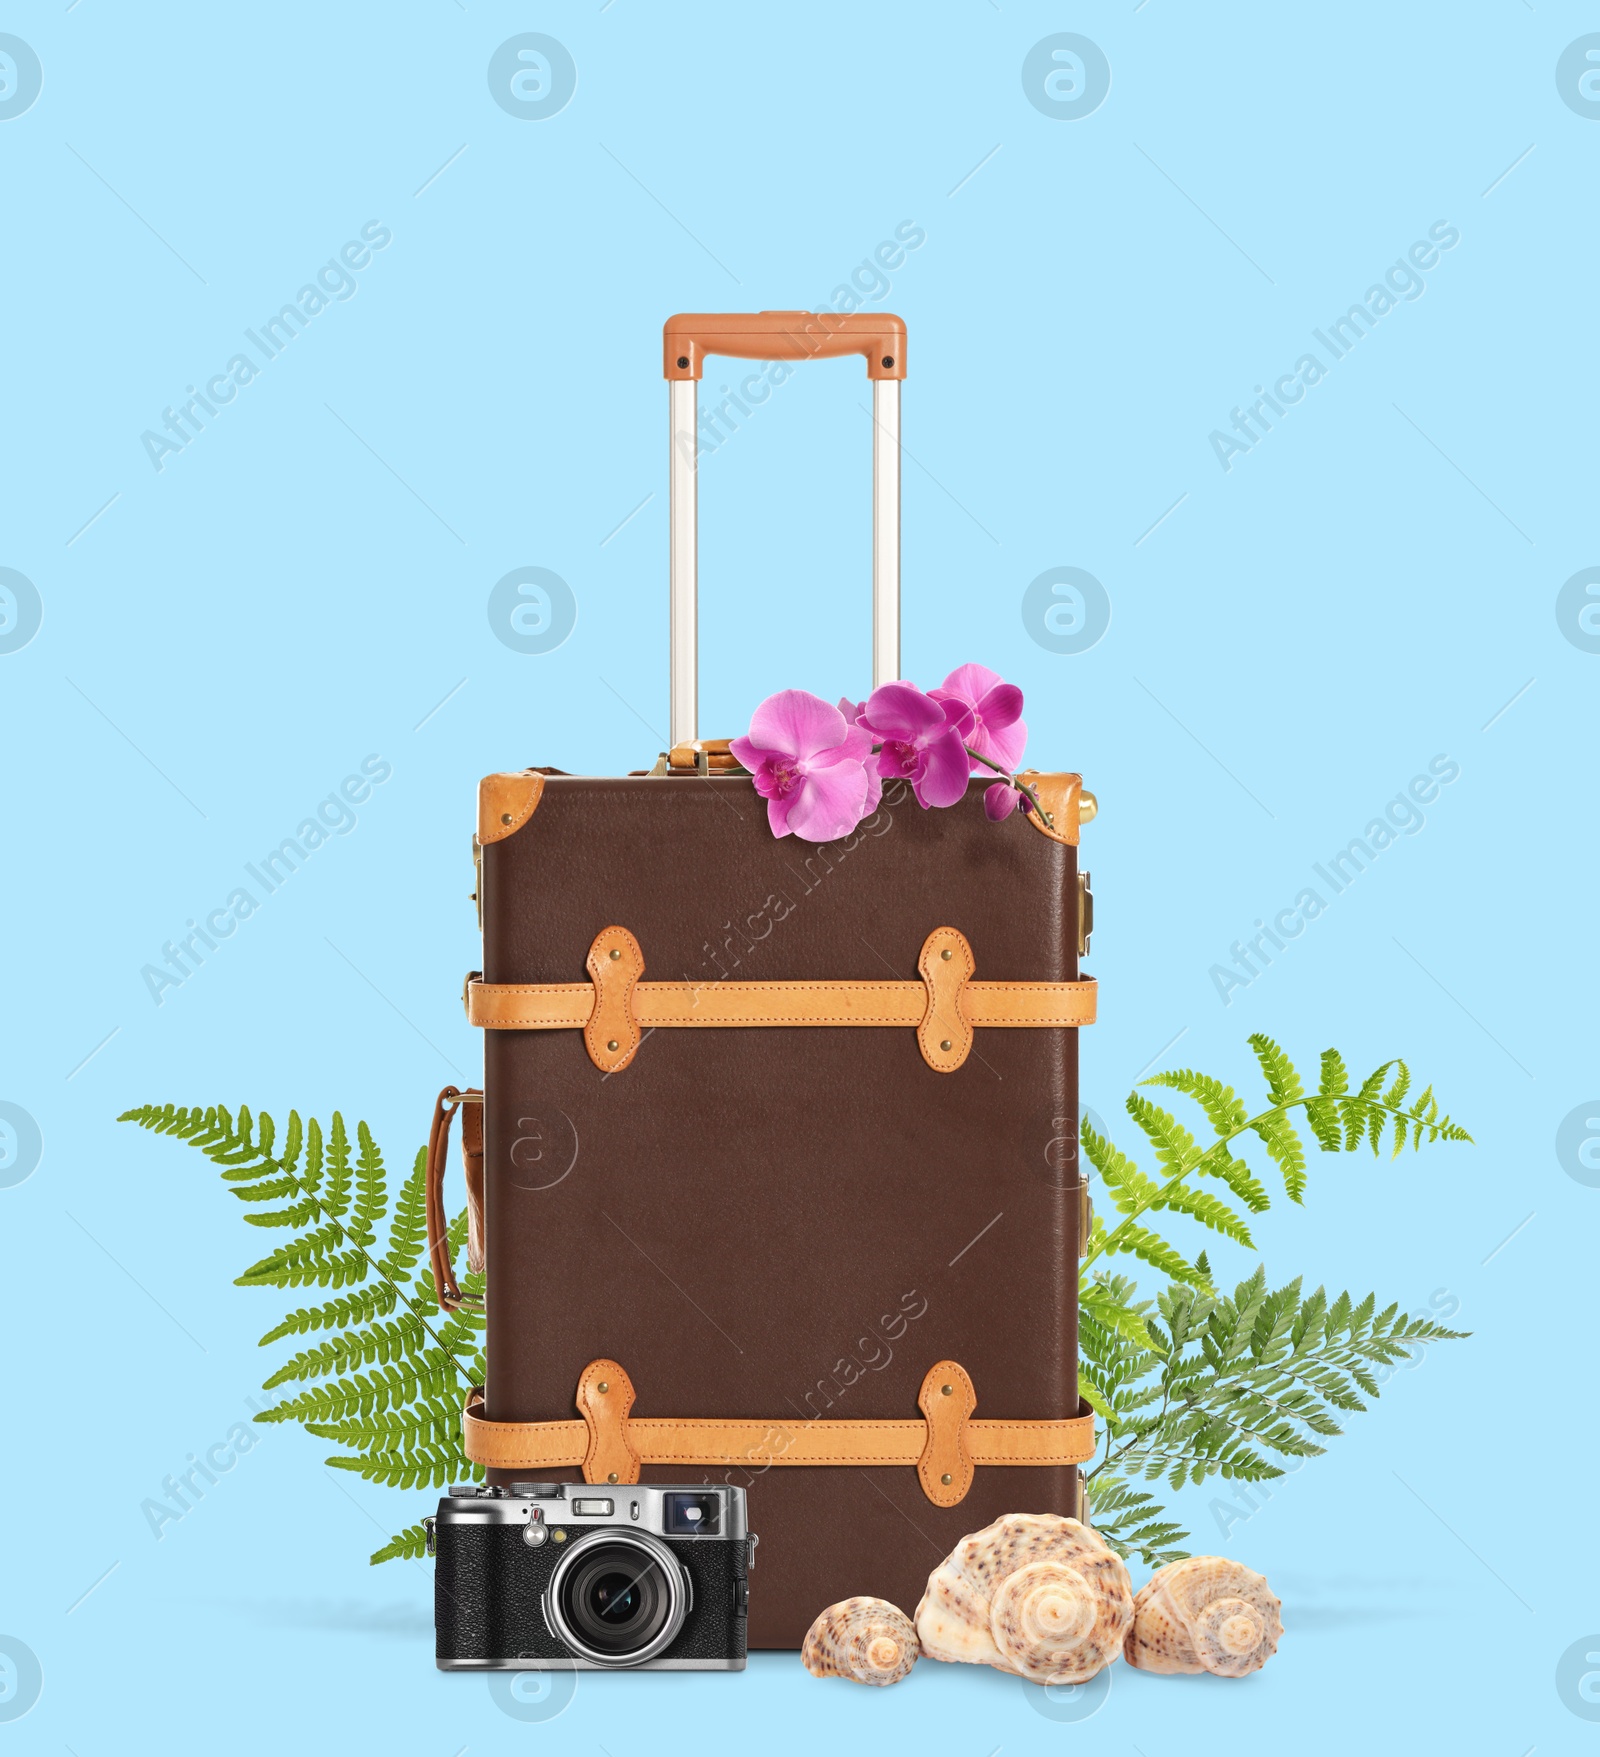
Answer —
540 1575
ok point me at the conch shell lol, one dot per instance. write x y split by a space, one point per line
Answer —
1034 1594
867 1639
1204 1614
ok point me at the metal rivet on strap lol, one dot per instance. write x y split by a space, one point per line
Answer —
944 1390
612 1044
602 1387
505 817
611 1476
945 1046
616 952
945 954
945 1479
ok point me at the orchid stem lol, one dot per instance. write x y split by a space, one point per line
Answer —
1015 780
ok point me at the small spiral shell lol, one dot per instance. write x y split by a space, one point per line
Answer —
1034 1594
866 1639
1204 1614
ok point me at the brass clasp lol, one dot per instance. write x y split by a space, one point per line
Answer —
705 756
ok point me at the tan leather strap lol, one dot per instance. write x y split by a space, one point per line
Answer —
612 1445
450 1100
616 1007
567 1006
556 1006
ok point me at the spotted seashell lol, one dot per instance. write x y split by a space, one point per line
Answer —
1204 1614
866 1639
1034 1594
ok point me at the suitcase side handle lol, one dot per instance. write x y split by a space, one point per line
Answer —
446 1289
777 335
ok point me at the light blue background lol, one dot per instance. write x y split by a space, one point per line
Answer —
306 584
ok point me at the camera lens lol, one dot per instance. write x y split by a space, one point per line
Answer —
618 1601
612 1600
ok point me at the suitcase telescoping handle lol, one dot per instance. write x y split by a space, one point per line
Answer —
780 335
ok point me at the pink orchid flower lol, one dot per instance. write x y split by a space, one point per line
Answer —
810 765
998 732
1000 800
923 740
852 712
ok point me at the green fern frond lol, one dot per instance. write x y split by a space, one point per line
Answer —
1283 1081
265 1189
372 1195
1201 1205
1131 1521
1108 1301
1133 1193
1224 1108
1177 1151
1192 1384
300 1214
171 1119
410 1545
375 1344
1129 1189
1149 1247
1322 1112
374 1301
1242 1378
1340 1120
1285 1149
314 1258
429 1422
359 1397
311 1177
1277 1133
429 1467
336 1195
408 1227
1219 1162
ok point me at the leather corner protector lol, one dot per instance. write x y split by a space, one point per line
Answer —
947 1400
615 964
1060 796
605 1395
946 963
506 802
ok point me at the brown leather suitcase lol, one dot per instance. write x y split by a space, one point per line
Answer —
779 1183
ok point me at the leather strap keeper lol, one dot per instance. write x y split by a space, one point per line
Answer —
616 1007
611 1445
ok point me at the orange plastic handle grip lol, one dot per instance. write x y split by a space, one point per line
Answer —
784 335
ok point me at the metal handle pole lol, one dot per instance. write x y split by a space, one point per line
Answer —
683 563
885 530
683 557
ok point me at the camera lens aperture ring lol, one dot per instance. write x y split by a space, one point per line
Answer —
651 1569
